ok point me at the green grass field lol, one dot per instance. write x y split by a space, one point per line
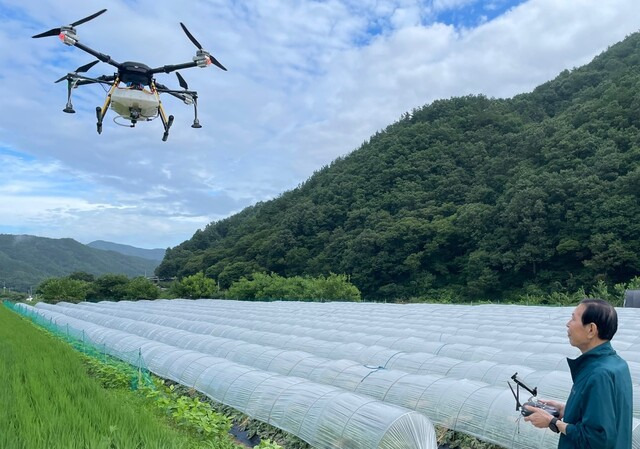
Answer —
49 401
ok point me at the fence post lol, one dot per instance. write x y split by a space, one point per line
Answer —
139 366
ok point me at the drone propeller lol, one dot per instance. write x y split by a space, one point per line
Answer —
57 31
201 50
190 36
81 69
182 82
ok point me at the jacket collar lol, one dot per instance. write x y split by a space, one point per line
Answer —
575 365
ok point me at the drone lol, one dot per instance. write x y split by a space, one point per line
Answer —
133 93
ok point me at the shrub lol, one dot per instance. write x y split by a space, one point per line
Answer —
272 286
195 286
63 289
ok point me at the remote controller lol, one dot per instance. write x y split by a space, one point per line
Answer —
549 409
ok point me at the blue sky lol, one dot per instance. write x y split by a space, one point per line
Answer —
308 81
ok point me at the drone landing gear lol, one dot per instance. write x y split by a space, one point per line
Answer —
196 123
166 122
167 125
100 117
69 107
101 111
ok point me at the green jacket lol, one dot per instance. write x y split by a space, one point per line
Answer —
599 409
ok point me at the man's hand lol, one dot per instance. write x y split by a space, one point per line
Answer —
555 404
539 417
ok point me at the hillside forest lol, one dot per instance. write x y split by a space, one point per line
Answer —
471 197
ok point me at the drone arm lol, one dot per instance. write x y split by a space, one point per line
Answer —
176 93
80 80
103 79
173 67
101 56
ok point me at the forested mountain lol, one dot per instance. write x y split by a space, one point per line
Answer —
128 250
481 197
26 260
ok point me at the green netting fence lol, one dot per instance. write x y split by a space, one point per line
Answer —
138 373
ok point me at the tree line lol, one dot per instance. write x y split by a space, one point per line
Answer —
80 286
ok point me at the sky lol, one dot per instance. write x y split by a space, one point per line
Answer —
307 82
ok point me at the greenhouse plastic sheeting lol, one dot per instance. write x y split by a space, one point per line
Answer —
550 353
554 384
459 383
343 373
299 363
324 416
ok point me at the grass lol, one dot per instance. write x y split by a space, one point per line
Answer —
49 401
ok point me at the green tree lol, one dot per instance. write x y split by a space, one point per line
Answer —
234 271
109 286
54 290
82 276
335 287
141 288
195 286
298 288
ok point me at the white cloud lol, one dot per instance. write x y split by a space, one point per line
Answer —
307 82
441 5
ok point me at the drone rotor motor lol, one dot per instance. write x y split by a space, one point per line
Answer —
68 36
202 58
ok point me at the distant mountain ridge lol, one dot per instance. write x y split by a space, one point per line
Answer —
128 250
26 260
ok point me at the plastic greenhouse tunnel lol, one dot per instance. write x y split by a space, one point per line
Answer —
322 415
354 375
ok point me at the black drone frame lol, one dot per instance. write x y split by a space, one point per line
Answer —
516 393
131 72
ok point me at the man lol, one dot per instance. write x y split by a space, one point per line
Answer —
599 411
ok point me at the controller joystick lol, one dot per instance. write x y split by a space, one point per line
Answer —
547 408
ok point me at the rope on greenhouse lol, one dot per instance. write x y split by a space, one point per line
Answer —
373 370
392 357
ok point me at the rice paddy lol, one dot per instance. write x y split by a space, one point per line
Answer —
49 401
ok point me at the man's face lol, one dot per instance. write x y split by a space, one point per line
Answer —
580 335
